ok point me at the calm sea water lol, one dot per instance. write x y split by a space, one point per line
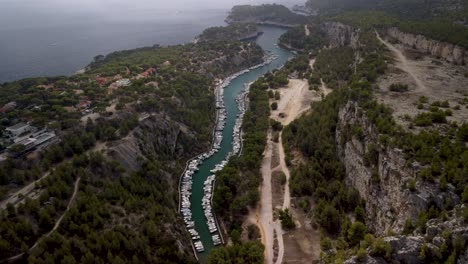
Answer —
62 46
57 37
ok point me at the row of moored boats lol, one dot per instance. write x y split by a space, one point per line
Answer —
187 181
208 210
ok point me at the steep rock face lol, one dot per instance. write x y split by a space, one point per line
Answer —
156 137
406 249
341 35
389 203
444 50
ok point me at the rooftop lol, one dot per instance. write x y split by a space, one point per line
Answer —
17 126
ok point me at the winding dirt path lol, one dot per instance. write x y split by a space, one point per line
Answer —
402 63
30 189
285 170
295 100
57 224
286 198
266 206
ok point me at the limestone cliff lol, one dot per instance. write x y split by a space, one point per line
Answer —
450 52
383 185
341 35
157 137
439 235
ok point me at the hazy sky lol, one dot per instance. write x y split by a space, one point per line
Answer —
53 37
16 13
106 6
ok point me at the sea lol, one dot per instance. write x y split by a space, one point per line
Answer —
56 37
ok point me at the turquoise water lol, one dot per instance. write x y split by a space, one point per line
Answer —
268 42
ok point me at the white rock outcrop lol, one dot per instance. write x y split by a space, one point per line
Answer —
341 35
450 52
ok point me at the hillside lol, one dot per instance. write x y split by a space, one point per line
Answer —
235 31
379 166
107 183
355 151
381 161
414 9
271 14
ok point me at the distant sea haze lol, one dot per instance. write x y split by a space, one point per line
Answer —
62 47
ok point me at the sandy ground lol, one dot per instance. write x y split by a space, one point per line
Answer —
94 116
266 223
296 99
425 76
302 245
403 64
312 63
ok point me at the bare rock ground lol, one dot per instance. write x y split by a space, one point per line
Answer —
426 76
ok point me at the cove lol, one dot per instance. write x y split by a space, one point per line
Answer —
268 41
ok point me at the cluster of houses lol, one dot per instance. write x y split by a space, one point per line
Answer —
22 137
27 138
117 81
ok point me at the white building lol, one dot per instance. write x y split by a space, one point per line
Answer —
123 82
17 130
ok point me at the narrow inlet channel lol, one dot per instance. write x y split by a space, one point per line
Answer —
268 41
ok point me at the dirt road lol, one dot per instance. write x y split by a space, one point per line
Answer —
30 190
266 207
57 224
402 63
295 98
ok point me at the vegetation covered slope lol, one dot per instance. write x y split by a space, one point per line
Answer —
268 13
120 214
235 31
416 9
438 28
320 178
437 19
296 38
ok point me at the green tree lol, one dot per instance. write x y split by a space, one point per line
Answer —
274 106
286 219
359 214
45 220
356 232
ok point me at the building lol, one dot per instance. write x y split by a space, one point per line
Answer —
35 141
147 73
123 82
8 107
84 104
101 80
17 130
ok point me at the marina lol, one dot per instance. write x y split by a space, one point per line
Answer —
198 180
